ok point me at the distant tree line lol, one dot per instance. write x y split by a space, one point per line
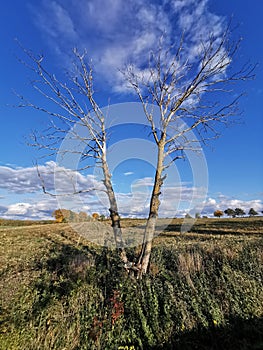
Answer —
235 212
229 212
66 215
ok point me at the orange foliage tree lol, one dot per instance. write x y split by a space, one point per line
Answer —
65 215
95 216
218 213
58 215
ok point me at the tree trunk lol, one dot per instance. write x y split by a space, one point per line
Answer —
114 214
144 258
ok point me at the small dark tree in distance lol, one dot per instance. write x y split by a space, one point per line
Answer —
239 212
252 212
230 212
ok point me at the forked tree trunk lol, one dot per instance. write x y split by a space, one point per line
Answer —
114 214
144 258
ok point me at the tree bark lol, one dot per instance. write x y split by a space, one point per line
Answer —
114 214
144 258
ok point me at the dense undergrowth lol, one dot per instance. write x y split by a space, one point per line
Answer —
65 294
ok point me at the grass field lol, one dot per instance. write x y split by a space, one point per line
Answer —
204 289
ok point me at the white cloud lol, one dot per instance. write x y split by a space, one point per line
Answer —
118 32
26 180
55 21
144 182
19 180
223 202
175 200
18 209
3 209
178 5
35 209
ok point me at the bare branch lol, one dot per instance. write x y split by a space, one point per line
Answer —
193 94
63 194
81 124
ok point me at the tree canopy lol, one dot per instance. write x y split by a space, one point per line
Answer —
252 212
218 213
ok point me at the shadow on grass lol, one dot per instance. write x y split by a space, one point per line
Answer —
67 266
61 269
215 228
238 335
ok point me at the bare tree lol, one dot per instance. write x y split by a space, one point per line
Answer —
67 113
196 90
192 93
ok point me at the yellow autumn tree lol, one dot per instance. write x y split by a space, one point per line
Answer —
95 216
58 215
218 213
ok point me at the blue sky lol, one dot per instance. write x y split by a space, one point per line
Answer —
115 32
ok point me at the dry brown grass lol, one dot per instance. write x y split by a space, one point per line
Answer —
21 246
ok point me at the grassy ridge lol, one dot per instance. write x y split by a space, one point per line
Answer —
204 290
13 223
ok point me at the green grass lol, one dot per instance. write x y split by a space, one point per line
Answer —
204 289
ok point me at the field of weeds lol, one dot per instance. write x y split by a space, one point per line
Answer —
203 291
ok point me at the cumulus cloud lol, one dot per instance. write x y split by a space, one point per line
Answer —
18 209
176 200
55 178
19 180
117 32
144 182
24 181
3 209
30 211
223 202
175 203
173 199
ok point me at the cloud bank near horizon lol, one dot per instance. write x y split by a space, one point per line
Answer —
31 203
